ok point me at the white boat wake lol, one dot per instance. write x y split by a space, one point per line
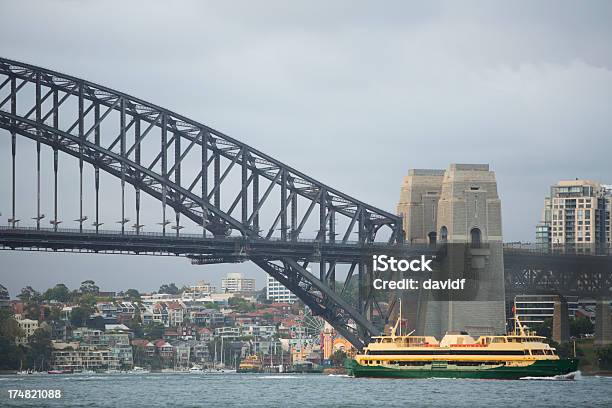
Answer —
576 375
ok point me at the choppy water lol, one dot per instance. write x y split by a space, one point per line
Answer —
293 390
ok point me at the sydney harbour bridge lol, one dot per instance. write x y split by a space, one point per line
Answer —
214 200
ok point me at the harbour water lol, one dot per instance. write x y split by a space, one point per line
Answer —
300 390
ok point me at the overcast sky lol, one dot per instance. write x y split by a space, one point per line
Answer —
352 93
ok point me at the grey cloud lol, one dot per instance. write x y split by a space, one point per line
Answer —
352 93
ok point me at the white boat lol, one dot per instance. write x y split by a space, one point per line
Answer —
196 369
138 370
219 370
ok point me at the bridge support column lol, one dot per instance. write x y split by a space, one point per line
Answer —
560 332
603 323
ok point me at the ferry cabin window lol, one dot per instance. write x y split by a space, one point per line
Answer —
498 340
537 352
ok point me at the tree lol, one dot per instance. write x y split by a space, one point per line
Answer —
154 331
29 295
96 323
54 314
39 350
89 287
88 300
170 289
544 329
80 315
10 354
604 357
59 292
240 304
8 325
337 358
581 326
135 327
132 294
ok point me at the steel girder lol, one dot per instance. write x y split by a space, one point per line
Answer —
585 276
254 163
196 195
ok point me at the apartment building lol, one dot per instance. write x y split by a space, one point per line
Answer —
534 309
577 212
5 299
236 282
277 292
200 290
74 356
28 326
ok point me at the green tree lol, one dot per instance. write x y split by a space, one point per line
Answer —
96 323
153 331
88 300
39 350
89 287
140 355
59 292
581 326
28 294
8 325
54 314
80 315
170 289
544 329
337 358
136 328
240 304
604 357
10 354
132 294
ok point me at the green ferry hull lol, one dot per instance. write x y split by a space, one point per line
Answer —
540 368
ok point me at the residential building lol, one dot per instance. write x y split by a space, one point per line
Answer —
74 356
108 310
183 354
200 290
236 282
200 351
175 313
156 313
5 299
207 317
28 326
126 310
577 213
277 292
165 349
91 337
228 332
258 331
534 309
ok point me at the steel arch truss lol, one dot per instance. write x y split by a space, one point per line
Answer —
227 187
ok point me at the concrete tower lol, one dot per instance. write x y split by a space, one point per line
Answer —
458 207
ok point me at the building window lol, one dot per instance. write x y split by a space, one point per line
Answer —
475 237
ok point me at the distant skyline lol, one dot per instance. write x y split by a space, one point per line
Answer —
351 93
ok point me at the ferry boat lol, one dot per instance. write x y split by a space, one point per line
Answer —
251 364
458 355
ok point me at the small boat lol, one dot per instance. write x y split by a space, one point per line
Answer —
59 372
196 369
138 370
